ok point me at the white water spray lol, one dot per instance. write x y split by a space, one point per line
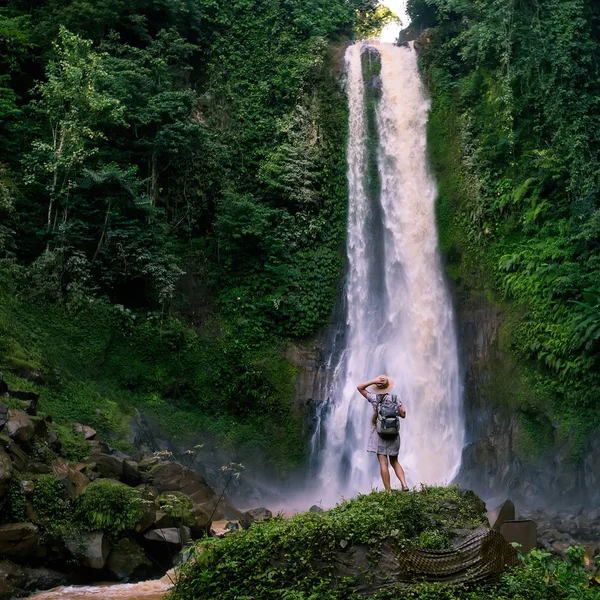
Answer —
399 315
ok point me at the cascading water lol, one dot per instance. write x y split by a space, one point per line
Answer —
399 315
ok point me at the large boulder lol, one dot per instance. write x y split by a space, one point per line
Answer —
168 477
87 432
18 539
127 560
176 536
16 580
6 471
3 415
91 549
19 459
19 426
107 465
256 514
71 478
131 474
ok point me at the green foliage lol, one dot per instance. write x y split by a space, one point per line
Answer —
53 513
73 446
178 506
515 102
109 506
13 510
144 140
294 556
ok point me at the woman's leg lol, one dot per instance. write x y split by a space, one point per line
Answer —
385 472
398 470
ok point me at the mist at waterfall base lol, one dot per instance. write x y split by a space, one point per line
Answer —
399 317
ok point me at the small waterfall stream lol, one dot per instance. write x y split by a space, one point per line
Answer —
399 315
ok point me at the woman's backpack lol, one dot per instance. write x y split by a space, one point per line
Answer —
388 416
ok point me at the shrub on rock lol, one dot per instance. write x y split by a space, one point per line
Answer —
109 506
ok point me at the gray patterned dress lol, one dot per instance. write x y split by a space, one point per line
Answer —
377 444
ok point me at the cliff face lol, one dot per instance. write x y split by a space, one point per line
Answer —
501 457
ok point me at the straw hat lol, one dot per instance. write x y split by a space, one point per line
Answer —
383 389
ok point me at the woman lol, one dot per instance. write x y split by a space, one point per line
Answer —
386 448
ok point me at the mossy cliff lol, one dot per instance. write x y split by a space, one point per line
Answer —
517 217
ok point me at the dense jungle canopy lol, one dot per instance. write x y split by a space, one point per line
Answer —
514 136
173 201
172 204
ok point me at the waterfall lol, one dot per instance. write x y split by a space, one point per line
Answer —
399 315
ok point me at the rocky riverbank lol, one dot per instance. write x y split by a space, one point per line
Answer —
74 510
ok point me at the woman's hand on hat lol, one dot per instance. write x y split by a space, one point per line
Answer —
381 381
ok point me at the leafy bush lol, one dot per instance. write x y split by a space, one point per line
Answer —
109 506
53 513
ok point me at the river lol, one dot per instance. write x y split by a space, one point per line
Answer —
146 590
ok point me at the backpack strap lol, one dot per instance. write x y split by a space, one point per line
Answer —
381 398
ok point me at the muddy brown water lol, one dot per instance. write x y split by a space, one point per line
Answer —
146 590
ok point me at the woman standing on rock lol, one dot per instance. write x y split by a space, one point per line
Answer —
385 434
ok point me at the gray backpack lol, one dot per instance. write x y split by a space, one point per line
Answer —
388 416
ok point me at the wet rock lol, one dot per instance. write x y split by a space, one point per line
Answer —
198 491
6 471
88 432
131 474
37 468
18 539
127 559
19 426
24 579
108 466
91 549
98 447
315 509
176 536
19 459
53 442
202 521
164 521
256 514
40 427
168 478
